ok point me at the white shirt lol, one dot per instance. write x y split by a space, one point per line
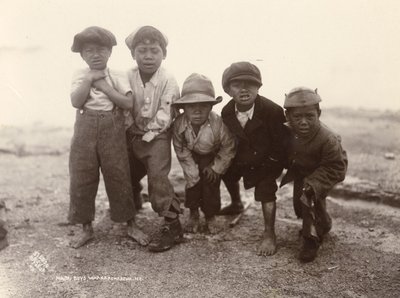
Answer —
152 110
97 100
243 117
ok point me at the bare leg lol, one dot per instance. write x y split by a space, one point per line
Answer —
192 226
212 225
236 206
268 244
87 234
136 233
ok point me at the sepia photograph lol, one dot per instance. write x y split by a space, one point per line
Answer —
207 148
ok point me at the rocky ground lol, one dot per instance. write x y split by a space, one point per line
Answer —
360 257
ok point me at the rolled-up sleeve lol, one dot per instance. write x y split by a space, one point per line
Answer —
165 113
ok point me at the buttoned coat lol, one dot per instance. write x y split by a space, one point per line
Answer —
261 144
318 160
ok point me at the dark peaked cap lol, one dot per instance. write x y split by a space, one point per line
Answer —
93 34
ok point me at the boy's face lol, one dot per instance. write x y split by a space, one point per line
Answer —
96 56
303 120
197 113
244 93
148 56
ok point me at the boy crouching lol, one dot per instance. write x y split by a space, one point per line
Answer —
316 163
204 147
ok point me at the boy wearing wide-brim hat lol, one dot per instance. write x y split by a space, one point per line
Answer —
258 125
317 162
204 147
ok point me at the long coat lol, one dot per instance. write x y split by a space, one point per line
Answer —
319 161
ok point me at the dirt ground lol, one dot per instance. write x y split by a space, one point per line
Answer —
360 257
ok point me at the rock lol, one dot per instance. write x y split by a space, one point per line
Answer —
389 155
3 230
3 243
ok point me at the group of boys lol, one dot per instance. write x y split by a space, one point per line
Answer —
125 123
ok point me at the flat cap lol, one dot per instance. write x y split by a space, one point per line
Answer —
93 34
241 71
301 97
197 88
146 33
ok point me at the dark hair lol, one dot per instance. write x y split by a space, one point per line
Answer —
152 34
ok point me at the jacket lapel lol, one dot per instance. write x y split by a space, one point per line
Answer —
257 120
232 122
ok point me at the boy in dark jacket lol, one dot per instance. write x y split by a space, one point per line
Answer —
317 162
258 125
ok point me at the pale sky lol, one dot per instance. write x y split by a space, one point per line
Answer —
349 50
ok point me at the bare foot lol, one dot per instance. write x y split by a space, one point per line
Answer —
268 245
193 224
86 235
136 234
212 225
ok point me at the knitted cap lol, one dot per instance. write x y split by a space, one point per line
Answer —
244 71
301 97
197 88
93 34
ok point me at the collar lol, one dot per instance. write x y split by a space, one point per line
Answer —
249 112
185 124
155 78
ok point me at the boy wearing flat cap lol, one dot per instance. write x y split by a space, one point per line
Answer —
99 95
258 125
317 162
149 137
204 147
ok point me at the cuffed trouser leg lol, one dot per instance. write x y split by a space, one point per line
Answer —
99 141
83 170
156 157
114 165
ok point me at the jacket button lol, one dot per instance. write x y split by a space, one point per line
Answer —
255 152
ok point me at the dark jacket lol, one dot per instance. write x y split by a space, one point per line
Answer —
320 160
261 143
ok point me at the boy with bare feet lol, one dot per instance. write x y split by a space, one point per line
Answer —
258 125
204 147
99 95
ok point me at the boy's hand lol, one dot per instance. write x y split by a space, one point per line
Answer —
95 75
102 85
209 175
309 192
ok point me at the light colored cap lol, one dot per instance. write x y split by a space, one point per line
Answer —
197 88
301 97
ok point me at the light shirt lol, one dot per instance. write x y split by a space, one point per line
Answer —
97 100
152 112
243 117
213 136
